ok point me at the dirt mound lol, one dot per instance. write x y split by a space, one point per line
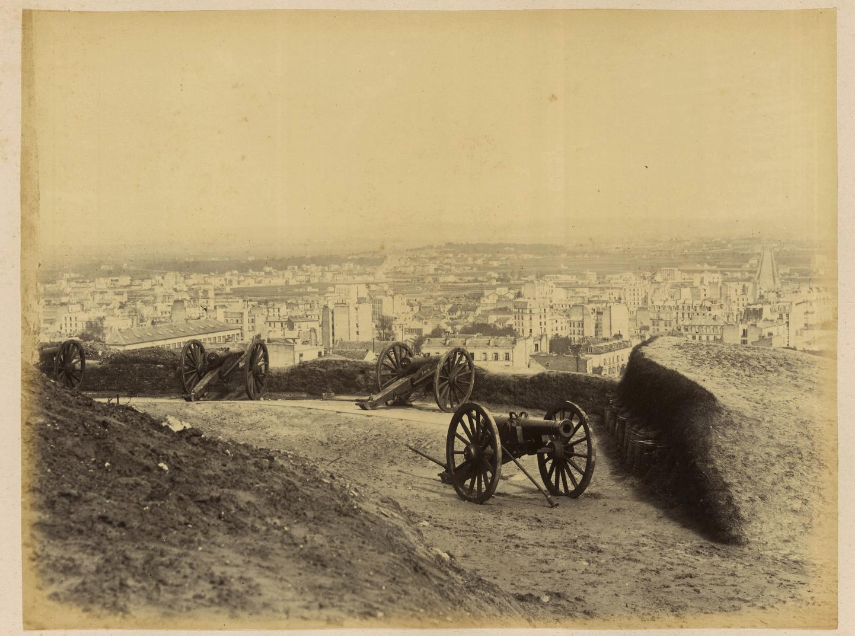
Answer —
133 523
155 372
98 351
544 390
47 351
149 371
130 378
346 377
753 431
149 355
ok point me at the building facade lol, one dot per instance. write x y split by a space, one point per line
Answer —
493 353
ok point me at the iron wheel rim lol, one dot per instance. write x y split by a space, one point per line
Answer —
193 364
567 469
390 363
70 364
454 379
257 368
476 477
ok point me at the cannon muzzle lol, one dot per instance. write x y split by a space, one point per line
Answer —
531 429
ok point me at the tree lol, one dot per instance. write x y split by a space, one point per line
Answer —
562 345
417 343
94 331
385 330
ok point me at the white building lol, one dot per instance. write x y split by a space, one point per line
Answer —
492 353
347 321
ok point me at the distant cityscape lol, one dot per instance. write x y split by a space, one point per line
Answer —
515 308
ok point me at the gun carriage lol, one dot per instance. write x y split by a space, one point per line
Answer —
69 363
479 443
451 376
199 369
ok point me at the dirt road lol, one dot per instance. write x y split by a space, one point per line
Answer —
612 556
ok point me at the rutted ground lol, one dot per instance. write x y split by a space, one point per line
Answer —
612 556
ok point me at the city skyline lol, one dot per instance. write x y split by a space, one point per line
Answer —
259 252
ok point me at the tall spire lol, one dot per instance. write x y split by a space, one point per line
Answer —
767 272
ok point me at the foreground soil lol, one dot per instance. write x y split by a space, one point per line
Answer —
132 523
613 557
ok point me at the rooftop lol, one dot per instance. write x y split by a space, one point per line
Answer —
607 347
471 341
554 362
169 331
357 350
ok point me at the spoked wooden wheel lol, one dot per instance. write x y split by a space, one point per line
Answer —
568 464
390 363
454 379
257 366
69 364
473 453
193 364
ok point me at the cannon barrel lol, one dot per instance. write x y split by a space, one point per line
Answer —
478 443
411 365
532 429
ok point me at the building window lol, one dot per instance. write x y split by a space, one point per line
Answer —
496 357
507 357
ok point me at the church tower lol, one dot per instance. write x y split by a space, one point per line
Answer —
767 272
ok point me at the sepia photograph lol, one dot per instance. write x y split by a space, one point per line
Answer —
385 319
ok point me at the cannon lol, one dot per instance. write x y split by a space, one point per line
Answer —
479 443
198 368
400 373
69 363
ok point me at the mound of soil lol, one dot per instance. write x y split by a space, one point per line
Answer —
346 377
129 523
47 351
155 372
753 430
103 353
128 378
544 390
149 355
150 371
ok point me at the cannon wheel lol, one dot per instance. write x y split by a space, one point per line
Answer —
454 379
473 453
257 366
69 364
193 364
390 363
574 459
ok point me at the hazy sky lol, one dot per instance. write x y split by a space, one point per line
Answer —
294 128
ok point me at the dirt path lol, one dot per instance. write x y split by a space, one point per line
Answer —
611 555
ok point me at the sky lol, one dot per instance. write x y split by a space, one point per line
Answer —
179 132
